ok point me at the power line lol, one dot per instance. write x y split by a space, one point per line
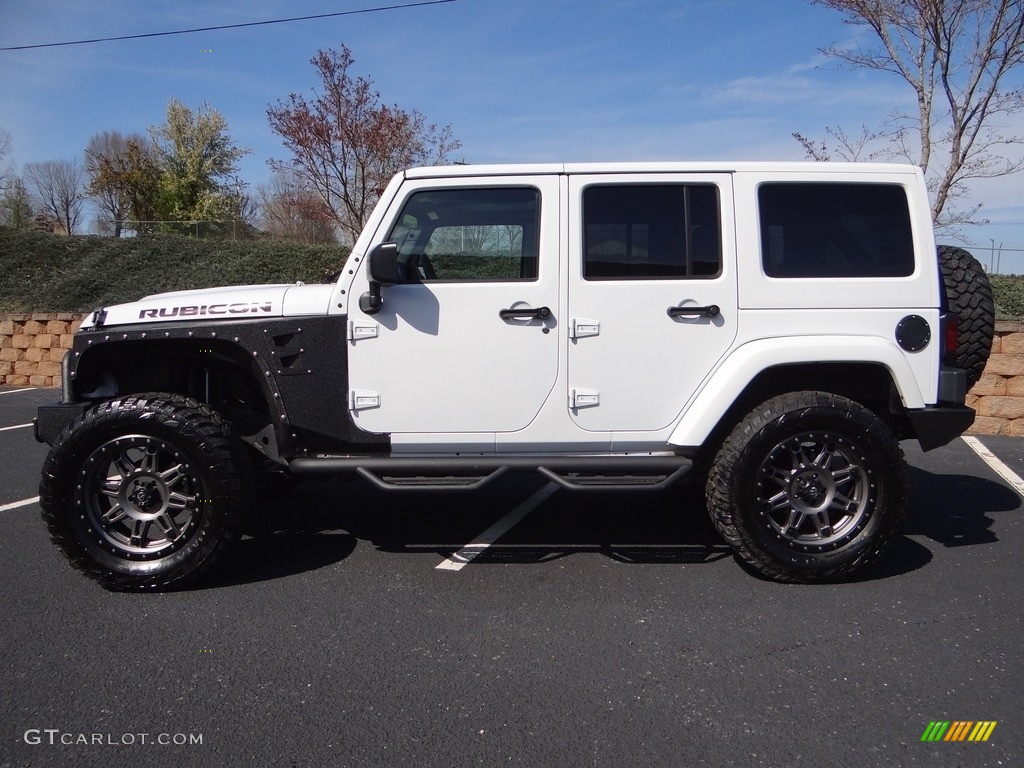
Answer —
979 248
229 26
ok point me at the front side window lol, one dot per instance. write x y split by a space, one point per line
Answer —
651 232
469 234
835 230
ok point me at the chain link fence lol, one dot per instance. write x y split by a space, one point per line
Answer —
208 229
309 232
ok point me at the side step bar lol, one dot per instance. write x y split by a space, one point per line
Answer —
468 473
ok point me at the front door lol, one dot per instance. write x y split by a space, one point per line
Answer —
468 342
652 295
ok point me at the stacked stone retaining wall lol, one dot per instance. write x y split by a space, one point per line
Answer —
998 397
32 345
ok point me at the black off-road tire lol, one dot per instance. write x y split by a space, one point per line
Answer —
969 297
809 487
145 492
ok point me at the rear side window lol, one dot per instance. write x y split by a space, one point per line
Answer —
651 232
471 234
835 230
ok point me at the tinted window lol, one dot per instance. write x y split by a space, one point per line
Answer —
644 232
469 234
835 230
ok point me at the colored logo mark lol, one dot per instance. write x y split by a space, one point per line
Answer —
958 730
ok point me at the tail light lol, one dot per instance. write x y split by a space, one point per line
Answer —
950 337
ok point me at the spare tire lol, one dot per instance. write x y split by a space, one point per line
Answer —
969 297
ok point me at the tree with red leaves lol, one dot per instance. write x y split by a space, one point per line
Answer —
346 145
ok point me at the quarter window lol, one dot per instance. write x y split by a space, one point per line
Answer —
651 232
469 234
835 230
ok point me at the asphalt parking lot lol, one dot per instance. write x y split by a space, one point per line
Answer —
360 628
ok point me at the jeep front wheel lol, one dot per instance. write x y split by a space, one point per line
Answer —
809 487
145 492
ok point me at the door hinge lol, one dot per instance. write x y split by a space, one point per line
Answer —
579 327
358 329
584 398
359 399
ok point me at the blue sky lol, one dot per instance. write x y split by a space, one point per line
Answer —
518 80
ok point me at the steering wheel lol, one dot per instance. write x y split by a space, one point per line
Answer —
424 267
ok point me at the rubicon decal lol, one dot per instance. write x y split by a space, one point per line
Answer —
238 308
958 730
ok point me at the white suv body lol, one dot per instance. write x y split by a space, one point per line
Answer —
782 324
635 379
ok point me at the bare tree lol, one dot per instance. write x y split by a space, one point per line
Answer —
58 186
290 209
246 207
124 174
851 149
957 56
6 169
347 145
104 152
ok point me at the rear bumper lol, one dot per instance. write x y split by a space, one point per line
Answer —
938 425
952 385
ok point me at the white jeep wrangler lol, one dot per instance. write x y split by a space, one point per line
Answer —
775 329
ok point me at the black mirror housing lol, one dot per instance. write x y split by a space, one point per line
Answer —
383 266
382 270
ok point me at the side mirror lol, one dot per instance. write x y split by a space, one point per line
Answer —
382 269
384 264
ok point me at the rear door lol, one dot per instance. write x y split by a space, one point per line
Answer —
652 294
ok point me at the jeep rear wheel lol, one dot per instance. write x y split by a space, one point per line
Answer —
145 492
969 297
809 487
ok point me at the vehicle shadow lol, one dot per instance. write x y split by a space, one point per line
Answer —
281 554
642 528
322 522
953 510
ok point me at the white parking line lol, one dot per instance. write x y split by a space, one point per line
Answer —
16 426
12 391
464 556
993 461
16 504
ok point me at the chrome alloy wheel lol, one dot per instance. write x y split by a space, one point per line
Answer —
814 491
139 497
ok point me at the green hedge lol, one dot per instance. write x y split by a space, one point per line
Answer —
40 272
1008 291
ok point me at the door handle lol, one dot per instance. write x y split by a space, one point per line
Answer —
711 310
540 313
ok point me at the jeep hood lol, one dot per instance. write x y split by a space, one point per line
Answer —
216 304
